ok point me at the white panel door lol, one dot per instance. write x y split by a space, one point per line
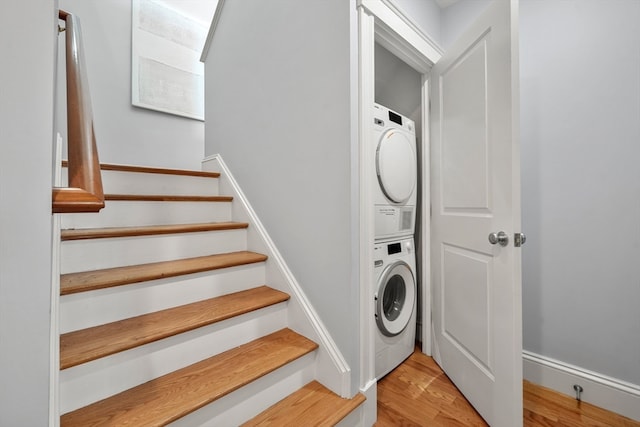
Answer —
477 308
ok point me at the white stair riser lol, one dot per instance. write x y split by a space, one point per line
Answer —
135 213
119 182
96 380
95 254
250 400
88 309
354 419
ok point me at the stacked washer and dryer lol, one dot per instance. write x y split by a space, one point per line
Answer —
395 287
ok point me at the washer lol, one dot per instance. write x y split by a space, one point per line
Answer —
395 296
396 168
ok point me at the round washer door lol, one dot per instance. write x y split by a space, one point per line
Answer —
396 165
395 299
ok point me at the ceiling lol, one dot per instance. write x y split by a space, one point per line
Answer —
198 10
445 3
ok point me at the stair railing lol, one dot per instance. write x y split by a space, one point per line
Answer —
84 192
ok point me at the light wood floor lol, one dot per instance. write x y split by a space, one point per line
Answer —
418 393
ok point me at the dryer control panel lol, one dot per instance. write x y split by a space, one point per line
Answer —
388 118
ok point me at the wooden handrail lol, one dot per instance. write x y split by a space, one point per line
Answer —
84 193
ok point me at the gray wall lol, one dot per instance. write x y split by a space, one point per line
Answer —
27 42
126 134
580 133
398 86
278 110
457 17
580 80
426 14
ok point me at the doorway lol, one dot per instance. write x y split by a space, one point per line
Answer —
397 56
398 87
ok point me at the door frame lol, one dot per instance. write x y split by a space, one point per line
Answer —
383 22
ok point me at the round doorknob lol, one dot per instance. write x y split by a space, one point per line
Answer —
499 238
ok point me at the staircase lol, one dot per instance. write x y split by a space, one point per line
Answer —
165 315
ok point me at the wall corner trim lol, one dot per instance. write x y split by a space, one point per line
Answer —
212 30
606 392
332 369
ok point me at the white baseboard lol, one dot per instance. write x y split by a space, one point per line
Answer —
608 393
370 406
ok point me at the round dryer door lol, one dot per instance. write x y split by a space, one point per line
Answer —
395 299
396 165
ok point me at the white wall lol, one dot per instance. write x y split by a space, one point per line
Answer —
126 134
278 110
580 79
27 42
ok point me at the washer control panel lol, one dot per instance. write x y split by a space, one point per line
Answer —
391 250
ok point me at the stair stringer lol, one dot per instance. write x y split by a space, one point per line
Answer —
332 370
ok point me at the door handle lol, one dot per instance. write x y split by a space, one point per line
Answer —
519 239
501 238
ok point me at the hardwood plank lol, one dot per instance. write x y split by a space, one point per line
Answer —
147 169
108 232
311 406
532 419
419 393
98 279
93 343
446 420
165 198
568 411
424 395
389 417
172 396
406 397
537 407
420 380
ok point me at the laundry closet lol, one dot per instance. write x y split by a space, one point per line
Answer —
397 251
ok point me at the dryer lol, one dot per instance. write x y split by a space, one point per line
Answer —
396 167
395 296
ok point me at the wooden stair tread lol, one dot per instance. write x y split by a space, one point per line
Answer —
148 169
98 233
93 343
312 405
172 396
98 279
165 198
